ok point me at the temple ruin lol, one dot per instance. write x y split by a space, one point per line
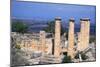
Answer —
41 43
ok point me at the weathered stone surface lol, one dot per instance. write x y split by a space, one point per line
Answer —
71 39
57 41
83 36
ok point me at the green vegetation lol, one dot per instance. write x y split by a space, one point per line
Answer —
66 59
84 57
19 27
51 27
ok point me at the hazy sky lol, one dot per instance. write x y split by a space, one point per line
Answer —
48 11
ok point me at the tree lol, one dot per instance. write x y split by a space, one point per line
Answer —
51 27
19 27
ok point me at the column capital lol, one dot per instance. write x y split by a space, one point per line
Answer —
72 20
57 18
84 19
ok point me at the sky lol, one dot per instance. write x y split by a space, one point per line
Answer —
48 11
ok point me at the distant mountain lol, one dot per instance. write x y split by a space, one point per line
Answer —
36 25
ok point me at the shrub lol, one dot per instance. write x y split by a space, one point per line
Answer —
19 27
66 59
84 57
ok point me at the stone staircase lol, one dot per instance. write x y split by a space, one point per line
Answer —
50 59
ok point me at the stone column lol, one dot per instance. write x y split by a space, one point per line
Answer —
42 41
71 38
57 39
78 41
84 34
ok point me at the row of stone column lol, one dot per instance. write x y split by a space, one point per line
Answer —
83 37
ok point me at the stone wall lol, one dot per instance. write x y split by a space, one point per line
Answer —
34 42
